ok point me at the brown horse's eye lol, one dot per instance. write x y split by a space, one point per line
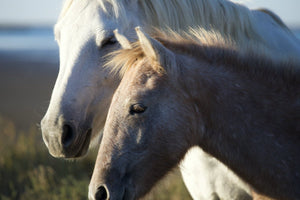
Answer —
137 108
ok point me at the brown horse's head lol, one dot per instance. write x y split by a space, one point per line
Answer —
141 141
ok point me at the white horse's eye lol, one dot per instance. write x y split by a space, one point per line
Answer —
108 41
137 108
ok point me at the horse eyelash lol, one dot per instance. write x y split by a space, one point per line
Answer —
133 109
108 41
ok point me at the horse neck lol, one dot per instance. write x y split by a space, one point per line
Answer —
245 123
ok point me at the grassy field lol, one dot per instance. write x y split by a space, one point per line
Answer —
27 171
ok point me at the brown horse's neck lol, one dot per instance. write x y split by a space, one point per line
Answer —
250 124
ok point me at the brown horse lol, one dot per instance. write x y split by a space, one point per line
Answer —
175 93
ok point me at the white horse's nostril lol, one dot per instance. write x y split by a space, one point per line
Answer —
68 136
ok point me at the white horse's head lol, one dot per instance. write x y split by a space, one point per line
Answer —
83 89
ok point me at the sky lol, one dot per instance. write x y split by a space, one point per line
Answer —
41 12
29 12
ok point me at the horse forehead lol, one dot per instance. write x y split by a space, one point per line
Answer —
141 80
87 14
143 73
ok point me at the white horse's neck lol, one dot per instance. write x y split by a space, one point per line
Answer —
245 126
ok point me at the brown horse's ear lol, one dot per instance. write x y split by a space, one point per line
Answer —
124 42
154 50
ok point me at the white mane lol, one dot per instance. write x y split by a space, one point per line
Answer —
227 17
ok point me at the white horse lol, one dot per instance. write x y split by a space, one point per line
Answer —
84 32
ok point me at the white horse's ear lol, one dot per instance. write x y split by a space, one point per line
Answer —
155 50
124 42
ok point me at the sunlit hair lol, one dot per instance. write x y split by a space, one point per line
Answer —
207 46
225 16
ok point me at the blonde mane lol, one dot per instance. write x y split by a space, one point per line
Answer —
119 61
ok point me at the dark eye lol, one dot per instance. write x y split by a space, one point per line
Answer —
108 41
137 109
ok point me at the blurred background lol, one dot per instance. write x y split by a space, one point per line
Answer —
28 68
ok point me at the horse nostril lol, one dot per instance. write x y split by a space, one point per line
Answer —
102 193
68 135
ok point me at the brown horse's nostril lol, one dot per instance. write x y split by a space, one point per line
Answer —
101 193
68 135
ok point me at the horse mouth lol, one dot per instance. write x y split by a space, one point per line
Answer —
85 145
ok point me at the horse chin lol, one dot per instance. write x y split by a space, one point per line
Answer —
127 194
85 145
92 139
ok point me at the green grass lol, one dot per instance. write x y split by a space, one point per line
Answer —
27 171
